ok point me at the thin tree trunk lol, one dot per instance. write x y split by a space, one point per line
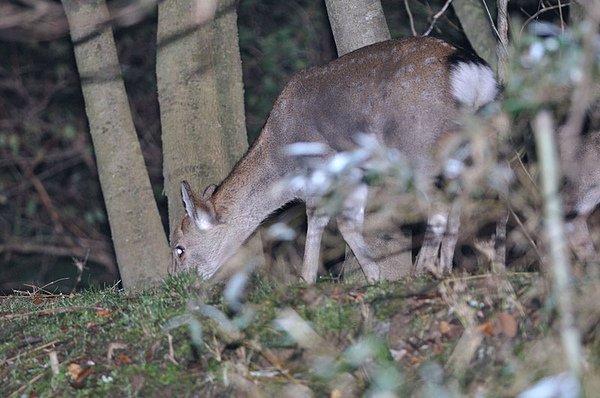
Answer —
356 23
201 96
230 91
193 147
138 235
546 148
478 29
230 85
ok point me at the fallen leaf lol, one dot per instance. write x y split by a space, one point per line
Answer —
79 382
444 328
151 352
111 349
507 324
74 370
486 328
123 359
335 393
104 313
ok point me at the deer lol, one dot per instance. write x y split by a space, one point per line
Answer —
406 93
581 194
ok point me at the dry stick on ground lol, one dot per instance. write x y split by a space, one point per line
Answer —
28 384
22 354
49 311
543 127
469 342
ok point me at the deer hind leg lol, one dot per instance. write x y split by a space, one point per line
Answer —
350 223
500 243
580 239
427 259
317 221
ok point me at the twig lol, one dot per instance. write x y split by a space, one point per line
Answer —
543 127
24 386
49 311
502 46
410 18
99 255
541 11
21 354
80 265
491 19
437 16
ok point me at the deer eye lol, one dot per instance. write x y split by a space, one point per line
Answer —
179 251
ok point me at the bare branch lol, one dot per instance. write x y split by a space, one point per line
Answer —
543 127
437 16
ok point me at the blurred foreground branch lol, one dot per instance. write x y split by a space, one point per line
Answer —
543 127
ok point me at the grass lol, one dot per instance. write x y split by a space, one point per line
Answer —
182 339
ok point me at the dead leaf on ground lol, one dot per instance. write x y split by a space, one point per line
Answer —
78 374
122 359
507 324
486 328
151 352
74 370
111 349
444 328
104 313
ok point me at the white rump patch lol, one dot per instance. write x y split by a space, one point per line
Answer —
473 85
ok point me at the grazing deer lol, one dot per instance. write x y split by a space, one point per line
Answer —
582 194
408 94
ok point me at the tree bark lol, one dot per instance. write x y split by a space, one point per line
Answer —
138 235
477 28
193 145
201 97
355 24
230 85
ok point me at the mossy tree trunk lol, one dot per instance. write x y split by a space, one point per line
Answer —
355 24
137 233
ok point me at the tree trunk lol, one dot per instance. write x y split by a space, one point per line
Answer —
138 235
477 28
230 85
193 146
355 24
201 96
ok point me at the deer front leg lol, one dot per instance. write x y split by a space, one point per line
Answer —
317 221
450 238
580 239
350 223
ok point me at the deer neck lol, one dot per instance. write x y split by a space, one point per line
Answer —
247 196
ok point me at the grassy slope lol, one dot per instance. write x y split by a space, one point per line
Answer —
391 337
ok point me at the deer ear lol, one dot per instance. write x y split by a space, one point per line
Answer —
208 192
201 211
